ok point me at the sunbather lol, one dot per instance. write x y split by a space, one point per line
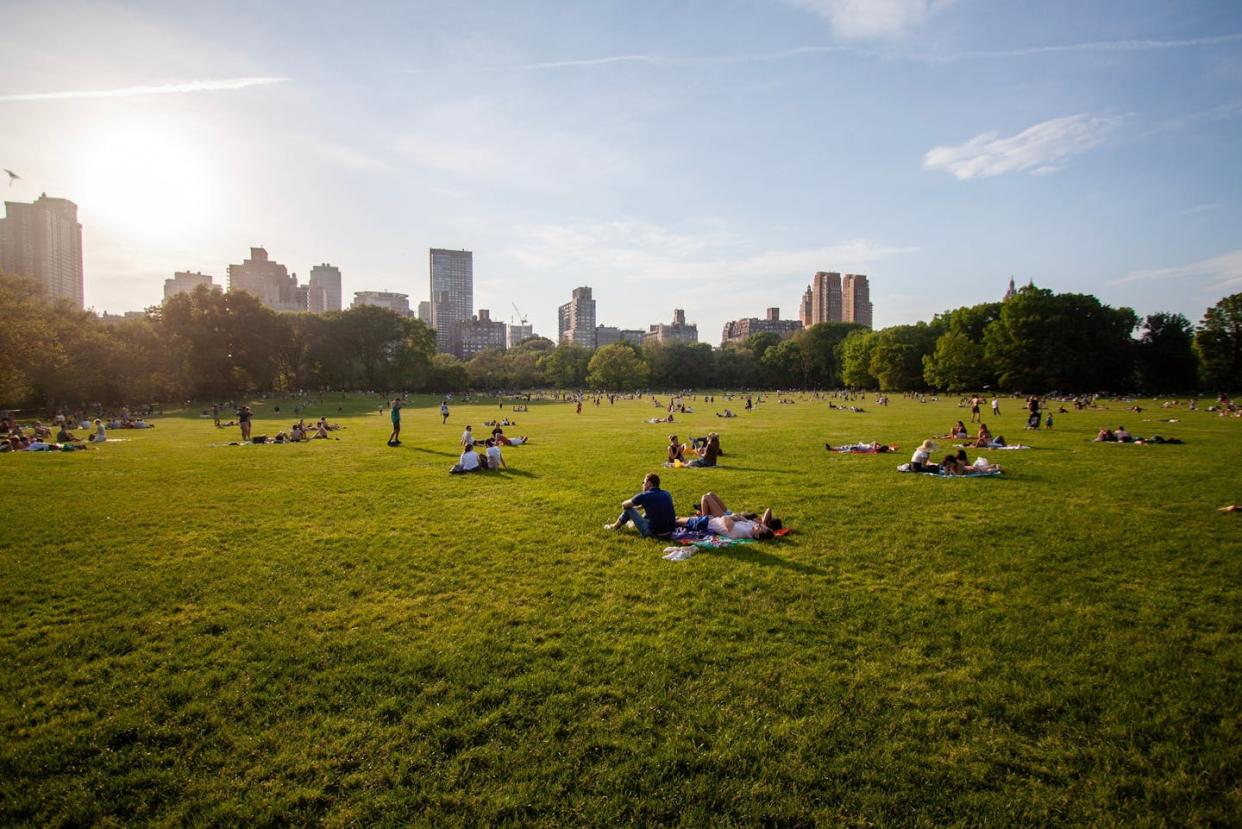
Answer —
715 518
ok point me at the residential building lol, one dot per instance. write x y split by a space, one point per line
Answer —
678 332
576 319
607 335
424 312
514 334
324 292
399 304
43 241
738 331
268 281
805 310
113 319
826 297
855 299
452 292
479 333
184 282
1011 292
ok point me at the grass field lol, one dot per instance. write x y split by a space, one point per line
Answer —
342 633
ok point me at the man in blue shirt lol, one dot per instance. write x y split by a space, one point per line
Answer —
661 518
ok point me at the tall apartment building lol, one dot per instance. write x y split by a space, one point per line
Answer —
514 334
324 289
738 331
805 309
270 282
576 319
399 304
608 334
43 241
424 312
476 334
826 297
856 299
452 292
184 282
678 332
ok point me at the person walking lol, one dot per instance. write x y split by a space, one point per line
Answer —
243 420
444 412
996 407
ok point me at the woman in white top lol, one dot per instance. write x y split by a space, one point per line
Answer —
919 461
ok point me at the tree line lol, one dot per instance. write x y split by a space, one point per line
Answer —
213 345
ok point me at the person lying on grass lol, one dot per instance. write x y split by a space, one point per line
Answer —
715 518
500 438
660 518
873 448
981 464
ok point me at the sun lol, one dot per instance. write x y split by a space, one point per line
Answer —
147 180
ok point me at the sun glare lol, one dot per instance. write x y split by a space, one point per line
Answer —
146 180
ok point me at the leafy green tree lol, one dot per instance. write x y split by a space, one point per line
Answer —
897 357
617 367
566 366
735 367
855 355
820 345
447 373
758 344
680 365
487 370
1044 341
1219 344
522 368
785 366
956 364
27 337
1166 354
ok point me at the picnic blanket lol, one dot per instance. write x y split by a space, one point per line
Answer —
905 467
993 447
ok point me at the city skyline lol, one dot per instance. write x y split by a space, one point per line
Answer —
937 147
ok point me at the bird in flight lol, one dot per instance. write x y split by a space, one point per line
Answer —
12 176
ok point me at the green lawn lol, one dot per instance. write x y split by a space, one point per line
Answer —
342 633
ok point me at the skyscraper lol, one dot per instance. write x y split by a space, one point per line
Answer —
325 289
855 299
576 319
43 241
452 292
805 309
184 282
270 282
826 297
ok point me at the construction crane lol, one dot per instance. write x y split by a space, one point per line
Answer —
521 316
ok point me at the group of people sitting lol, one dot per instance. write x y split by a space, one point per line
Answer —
482 455
297 433
698 452
39 438
952 464
659 517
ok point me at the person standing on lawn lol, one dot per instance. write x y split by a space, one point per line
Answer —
443 412
661 517
395 438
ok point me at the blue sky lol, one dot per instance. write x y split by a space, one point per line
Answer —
709 156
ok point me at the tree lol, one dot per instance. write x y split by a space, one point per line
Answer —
1044 341
760 343
1166 354
486 370
784 366
26 336
566 366
1219 344
897 357
447 373
855 354
735 367
617 367
819 347
680 365
956 364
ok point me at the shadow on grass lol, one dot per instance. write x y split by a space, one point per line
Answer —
431 451
761 469
521 473
754 554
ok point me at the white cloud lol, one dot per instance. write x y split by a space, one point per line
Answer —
873 18
133 91
1217 273
1041 148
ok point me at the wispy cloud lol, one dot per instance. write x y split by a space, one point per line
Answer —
1218 273
1101 46
1041 148
216 85
873 18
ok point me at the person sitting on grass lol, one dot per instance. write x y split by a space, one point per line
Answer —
983 438
920 461
727 413
495 460
1121 435
715 518
958 432
709 453
674 453
467 437
469 462
100 434
63 435
661 517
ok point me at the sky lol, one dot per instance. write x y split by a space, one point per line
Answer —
709 156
